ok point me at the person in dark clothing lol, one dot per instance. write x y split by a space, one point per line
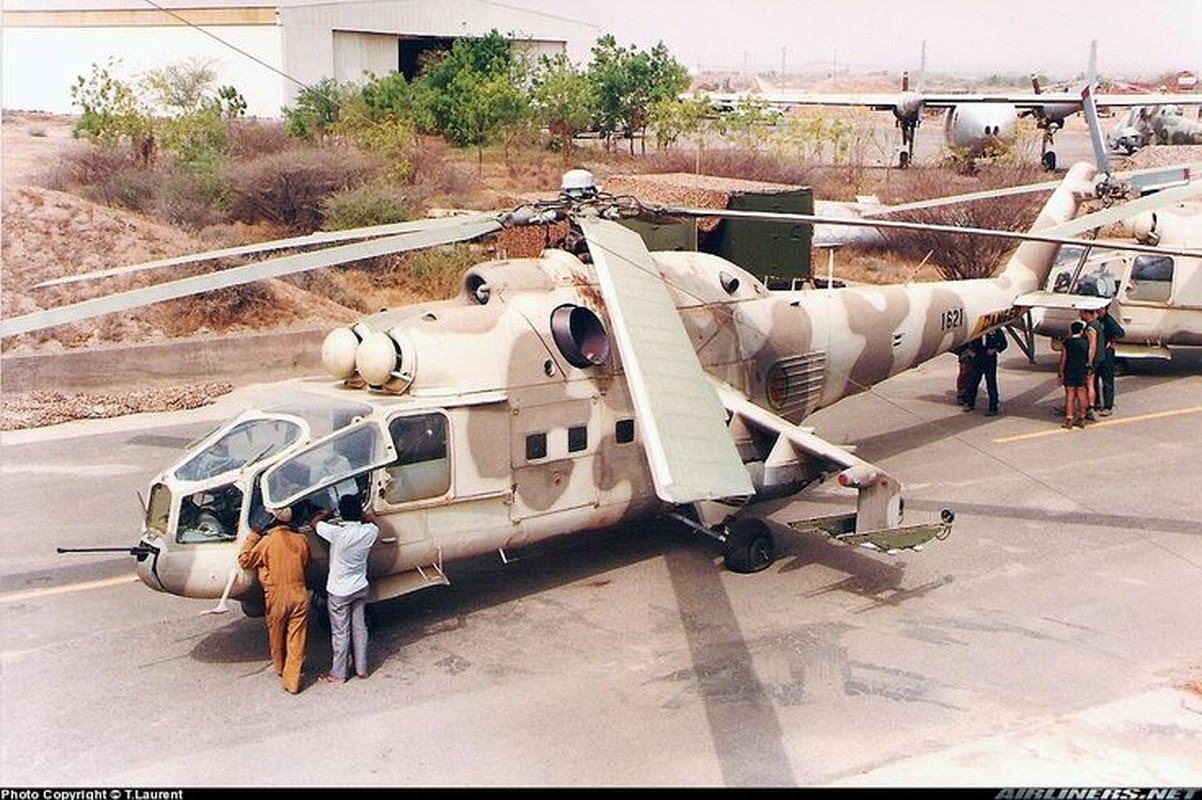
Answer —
985 350
1112 331
963 371
1073 373
1095 333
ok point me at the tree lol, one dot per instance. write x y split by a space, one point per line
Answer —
628 82
564 100
318 109
476 91
181 88
111 111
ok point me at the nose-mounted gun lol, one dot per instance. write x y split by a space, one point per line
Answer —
139 551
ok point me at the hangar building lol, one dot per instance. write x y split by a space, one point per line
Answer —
267 49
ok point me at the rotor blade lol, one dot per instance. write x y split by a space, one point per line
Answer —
1062 234
271 268
956 199
689 447
321 237
1090 110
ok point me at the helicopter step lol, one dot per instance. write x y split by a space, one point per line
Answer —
389 586
901 537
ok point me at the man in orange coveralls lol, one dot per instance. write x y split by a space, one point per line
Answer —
280 554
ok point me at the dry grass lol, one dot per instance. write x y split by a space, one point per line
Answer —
50 233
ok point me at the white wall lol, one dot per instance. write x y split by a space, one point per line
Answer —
60 55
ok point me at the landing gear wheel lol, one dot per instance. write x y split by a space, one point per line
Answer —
749 546
1048 160
903 159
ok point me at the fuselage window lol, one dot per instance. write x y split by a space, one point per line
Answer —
1151 279
624 431
536 446
577 438
422 468
210 515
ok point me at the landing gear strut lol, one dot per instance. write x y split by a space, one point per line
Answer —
906 156
1047 155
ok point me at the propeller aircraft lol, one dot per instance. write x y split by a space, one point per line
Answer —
596 385
975 124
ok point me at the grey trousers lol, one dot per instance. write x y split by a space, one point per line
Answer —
348 627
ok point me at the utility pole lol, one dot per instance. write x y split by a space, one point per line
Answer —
782 62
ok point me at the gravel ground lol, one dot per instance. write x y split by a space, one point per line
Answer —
38 409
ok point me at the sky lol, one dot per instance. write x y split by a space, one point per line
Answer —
972 38
964 38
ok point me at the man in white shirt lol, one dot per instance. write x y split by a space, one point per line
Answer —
351 540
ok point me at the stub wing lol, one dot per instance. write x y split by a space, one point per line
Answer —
797 452
1076 302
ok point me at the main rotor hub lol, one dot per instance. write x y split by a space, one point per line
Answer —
578 184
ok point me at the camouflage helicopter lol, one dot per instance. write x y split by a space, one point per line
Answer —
599 384
1156 296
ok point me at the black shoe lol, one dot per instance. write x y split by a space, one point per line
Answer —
968 408
991 412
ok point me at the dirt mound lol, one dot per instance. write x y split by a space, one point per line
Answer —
50 234
1165 155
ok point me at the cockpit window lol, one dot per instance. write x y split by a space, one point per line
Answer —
210 515
245 443
333 462
322 414
1151 279
422 468
1097 276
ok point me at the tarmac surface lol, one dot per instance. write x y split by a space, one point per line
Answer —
1052 639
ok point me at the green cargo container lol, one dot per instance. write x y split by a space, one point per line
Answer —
777 253
771 251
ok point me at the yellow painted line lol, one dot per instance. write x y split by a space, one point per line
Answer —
1101 423
32 594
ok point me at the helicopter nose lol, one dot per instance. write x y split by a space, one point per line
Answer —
146 564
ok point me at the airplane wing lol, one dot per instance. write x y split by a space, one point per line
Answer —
877 101
943 100
689 447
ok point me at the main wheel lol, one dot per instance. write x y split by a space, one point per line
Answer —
749 545
903 159
1049 160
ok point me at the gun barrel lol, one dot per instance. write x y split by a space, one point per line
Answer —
136 550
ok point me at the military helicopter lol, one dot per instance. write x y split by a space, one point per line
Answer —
596 385
1157 297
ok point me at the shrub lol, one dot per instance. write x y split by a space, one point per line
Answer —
375 203
252 138
291 187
